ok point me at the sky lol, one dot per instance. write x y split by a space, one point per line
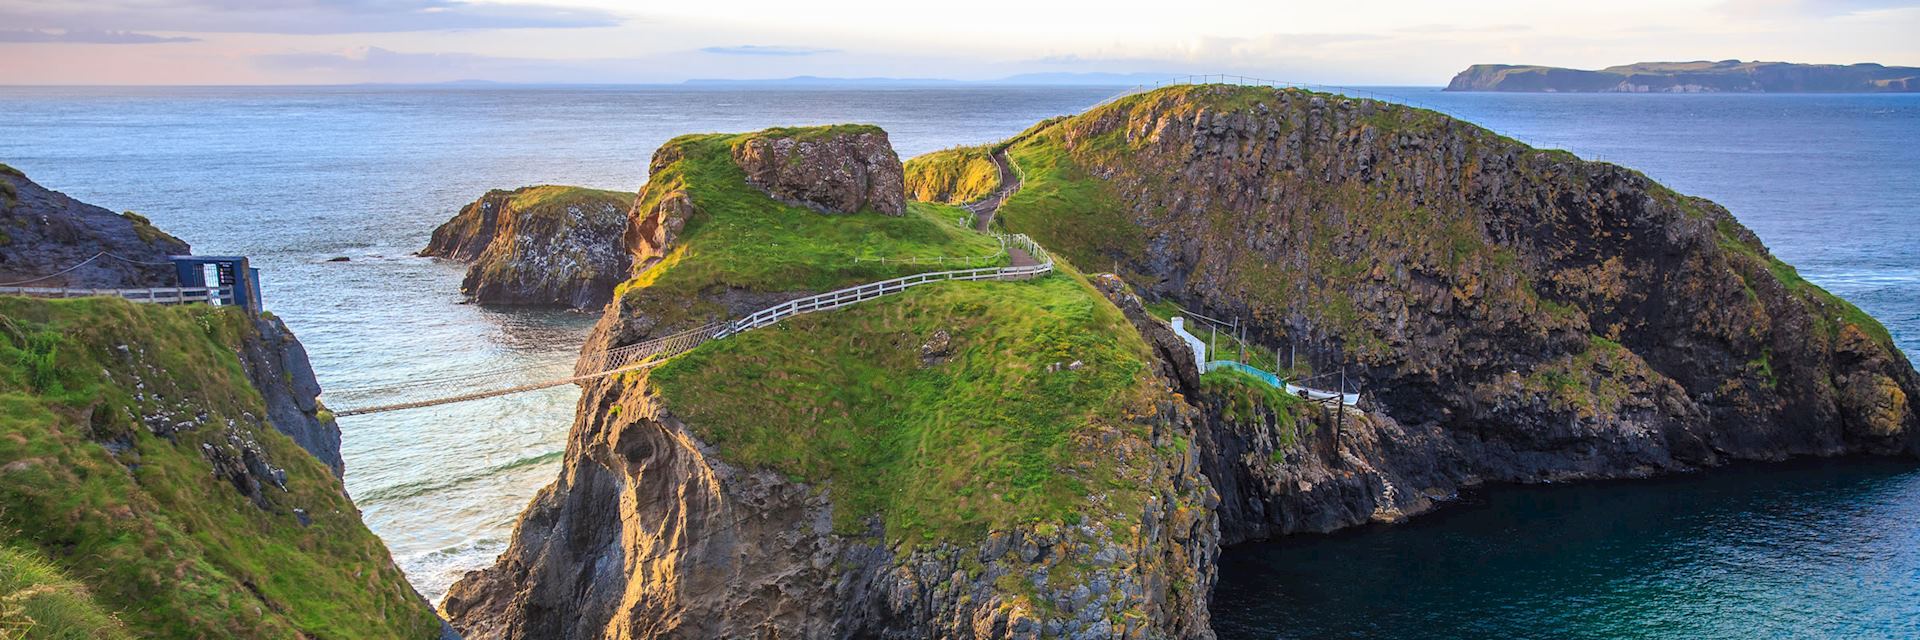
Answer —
1355 42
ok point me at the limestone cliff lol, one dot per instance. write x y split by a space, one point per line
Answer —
545 245
1513 314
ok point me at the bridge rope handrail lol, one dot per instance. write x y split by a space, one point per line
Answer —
652 352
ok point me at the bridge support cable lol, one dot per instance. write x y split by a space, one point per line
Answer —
647 354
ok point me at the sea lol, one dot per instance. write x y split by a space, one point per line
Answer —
297 177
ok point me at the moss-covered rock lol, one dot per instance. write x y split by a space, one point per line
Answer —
838 169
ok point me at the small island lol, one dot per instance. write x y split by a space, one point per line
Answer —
1725 76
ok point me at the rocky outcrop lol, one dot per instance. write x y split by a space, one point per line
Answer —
650 533
545 245
44 232
842 169
1515 315
277 364
654 531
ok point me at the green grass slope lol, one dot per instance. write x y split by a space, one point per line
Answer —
953 176
742 239
944 443
159 537
38 600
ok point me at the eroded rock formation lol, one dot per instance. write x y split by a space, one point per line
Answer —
649 533
843 169
545 245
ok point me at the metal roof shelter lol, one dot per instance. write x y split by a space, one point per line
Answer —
239 283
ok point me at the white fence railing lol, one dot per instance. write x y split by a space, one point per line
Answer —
155 295
658 349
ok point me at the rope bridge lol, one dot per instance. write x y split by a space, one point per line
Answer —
634 357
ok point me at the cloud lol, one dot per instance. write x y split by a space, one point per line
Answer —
295 16
82 36
1809 8
766 50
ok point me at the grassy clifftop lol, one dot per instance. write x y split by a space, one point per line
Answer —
736 237
949 410
135 460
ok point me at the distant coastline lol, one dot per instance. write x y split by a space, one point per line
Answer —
1725 76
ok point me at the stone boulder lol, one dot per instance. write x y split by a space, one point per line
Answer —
841 169
43 232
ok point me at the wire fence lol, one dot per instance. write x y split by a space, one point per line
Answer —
653 352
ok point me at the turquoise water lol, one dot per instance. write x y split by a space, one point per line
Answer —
294 176
1816 549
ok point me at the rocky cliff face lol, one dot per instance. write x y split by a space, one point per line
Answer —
1515 314
841 169
277 364
665 523
43 232
651 533
545 245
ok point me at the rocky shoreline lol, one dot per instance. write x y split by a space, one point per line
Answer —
1515 316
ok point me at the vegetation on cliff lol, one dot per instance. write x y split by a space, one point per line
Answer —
953 176
1437 258
137 461
735 236
950 410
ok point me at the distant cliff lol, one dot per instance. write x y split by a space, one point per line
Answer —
1725 76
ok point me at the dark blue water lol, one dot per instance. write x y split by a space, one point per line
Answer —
1820 549
294 176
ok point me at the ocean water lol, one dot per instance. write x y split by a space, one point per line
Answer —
1801 550
294 176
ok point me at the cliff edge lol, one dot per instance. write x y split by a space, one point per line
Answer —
967 459
166 471
1725 76
1512 314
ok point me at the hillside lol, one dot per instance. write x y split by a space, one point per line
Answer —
42 230
952 176
167 471
970 459
1515 314
138 461
1725 76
